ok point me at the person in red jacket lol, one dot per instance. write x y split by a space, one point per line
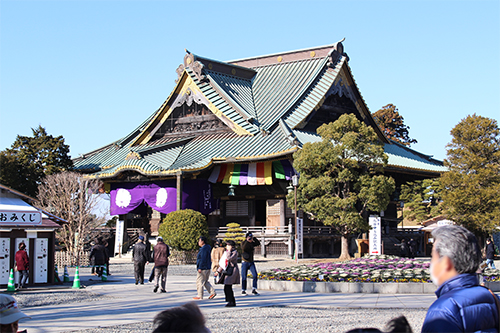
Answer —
22 264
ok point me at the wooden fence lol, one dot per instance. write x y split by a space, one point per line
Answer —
63 258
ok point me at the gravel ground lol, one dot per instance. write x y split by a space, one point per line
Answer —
31 299
265 319
291 319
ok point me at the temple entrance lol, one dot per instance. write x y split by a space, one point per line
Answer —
260 213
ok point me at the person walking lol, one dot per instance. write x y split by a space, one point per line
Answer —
228 267
490 253
203 265
216 254
412 246
462 305
404 250
140 257
22 265
99 256
161 252
248 249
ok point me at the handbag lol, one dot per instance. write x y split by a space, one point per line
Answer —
219 279
228 271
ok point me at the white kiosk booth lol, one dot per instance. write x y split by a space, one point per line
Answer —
21 222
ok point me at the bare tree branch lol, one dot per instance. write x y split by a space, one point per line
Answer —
73 198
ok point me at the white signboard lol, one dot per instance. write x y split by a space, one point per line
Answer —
300 238
375 236
120 225
444 222
41 260
4 260
10 217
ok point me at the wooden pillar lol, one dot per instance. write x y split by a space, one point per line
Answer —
179 190
282 213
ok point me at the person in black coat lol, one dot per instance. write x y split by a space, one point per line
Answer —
412 245
99 256
141 258
490 253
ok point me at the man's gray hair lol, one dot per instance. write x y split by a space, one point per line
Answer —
460 245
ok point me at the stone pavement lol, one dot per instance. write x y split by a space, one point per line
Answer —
128 303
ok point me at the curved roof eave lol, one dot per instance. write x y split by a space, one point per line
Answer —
216 160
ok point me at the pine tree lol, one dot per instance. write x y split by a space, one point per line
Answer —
31 158
471 187
421 199
392 124
341 177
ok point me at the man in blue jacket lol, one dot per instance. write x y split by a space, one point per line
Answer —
462 305
204 265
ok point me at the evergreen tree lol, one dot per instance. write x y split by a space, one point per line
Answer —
340 177
471 187
392 124
421 199
30 159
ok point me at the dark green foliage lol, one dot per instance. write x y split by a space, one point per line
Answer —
392 124
472 186
182 229
111 223
29 159
341 176
421 199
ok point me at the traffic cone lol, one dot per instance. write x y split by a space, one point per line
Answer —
66 274
11 286
76 281
104 276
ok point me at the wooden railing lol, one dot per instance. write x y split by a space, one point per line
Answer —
278 230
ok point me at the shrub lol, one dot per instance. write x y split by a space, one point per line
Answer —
235 233
182 229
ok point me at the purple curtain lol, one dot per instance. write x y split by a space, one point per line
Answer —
162 196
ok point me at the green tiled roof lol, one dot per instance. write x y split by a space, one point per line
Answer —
399 156
223 104
239 90
314 95
277 88
270 102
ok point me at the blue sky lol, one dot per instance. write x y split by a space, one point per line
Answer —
91 71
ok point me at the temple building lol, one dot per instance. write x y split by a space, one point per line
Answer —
223 141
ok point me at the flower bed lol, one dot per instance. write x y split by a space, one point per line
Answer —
491 275
367 269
